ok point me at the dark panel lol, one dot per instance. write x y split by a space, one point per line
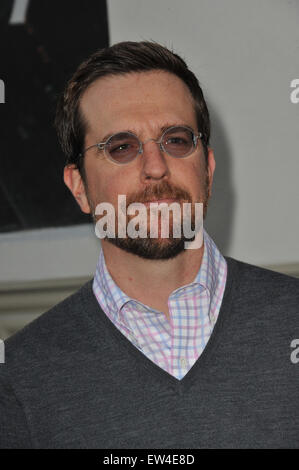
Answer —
37 58
10 220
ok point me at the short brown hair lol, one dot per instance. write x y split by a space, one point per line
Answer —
120 59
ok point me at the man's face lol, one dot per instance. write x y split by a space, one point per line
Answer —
143 103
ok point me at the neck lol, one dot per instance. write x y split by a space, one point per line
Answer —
151 281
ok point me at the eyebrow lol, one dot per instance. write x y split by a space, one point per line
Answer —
162 129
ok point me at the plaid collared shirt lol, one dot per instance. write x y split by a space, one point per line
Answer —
173 345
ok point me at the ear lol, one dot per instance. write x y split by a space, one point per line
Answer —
74 182
211 165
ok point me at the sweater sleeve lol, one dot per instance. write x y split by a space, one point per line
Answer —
14 432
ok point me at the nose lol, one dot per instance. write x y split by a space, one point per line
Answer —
154 164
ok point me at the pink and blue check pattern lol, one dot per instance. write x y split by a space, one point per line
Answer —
173 345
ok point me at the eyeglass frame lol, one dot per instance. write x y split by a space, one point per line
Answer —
102 145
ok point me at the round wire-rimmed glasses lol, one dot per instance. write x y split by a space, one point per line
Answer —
124 147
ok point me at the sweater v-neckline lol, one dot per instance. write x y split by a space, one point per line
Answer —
179 385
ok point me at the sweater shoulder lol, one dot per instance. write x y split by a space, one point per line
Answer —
258 273
264 285
56 329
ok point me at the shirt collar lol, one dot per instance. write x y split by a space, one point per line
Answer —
114 296
207 274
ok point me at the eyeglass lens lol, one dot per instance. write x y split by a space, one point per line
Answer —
124 147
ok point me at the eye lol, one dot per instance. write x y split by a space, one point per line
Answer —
122 148
178 136
176 140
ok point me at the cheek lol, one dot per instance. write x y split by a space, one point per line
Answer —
105 186
196 179
97 184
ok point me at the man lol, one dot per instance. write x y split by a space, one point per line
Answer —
167 347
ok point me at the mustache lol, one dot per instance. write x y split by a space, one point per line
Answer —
159 191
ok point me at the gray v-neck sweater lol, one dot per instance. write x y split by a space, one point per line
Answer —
72 380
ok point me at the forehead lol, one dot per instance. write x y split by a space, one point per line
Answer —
142 99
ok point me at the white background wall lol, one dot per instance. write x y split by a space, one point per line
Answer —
245 54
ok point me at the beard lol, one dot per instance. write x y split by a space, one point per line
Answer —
159 248
150 248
